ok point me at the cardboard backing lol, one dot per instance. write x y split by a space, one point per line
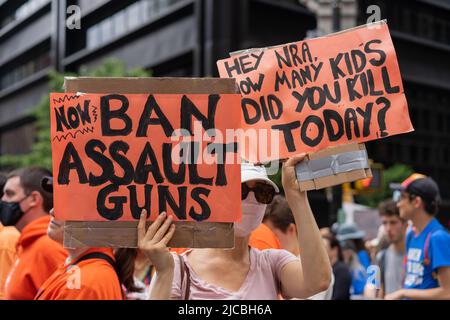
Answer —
336 179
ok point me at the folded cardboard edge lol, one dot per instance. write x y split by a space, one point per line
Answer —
124 234
150 85
324 182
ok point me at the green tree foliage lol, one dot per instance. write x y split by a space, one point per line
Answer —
394 174
41 151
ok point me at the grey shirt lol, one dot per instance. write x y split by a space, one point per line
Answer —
392 269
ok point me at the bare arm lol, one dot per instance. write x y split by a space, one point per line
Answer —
161 286
440 293
313 274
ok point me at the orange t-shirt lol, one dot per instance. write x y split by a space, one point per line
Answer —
178 250
264 238
38 257
8 242
90 279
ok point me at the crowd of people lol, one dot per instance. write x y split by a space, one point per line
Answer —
279 251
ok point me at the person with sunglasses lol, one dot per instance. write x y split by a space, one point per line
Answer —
243 273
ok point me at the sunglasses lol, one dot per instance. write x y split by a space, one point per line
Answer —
264 192
398 195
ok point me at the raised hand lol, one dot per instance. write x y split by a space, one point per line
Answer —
153 243
288 176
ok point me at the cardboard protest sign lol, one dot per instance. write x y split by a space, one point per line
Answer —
116 153
340 164
317 93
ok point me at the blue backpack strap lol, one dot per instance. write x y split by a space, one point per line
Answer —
426 257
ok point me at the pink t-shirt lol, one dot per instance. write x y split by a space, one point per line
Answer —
261 282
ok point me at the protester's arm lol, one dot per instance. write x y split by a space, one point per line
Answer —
162 286
313 274
440 293
153 244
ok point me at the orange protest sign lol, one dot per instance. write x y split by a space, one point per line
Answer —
313 94
116 154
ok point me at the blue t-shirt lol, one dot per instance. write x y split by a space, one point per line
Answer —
364 258
359 274
418 275
359 280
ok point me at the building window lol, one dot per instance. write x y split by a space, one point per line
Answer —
25 10
24 70
24 133
418 19
127 20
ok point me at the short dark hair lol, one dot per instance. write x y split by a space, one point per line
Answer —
279 213
30 180
431 206
388 208
334 243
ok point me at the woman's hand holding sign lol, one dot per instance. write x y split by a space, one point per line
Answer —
153 244
289 178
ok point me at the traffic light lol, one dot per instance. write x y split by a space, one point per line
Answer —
372 184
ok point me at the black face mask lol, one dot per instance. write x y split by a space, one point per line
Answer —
10 212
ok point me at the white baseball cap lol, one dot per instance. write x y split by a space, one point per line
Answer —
251 172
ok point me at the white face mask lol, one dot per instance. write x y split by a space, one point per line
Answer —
252 216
